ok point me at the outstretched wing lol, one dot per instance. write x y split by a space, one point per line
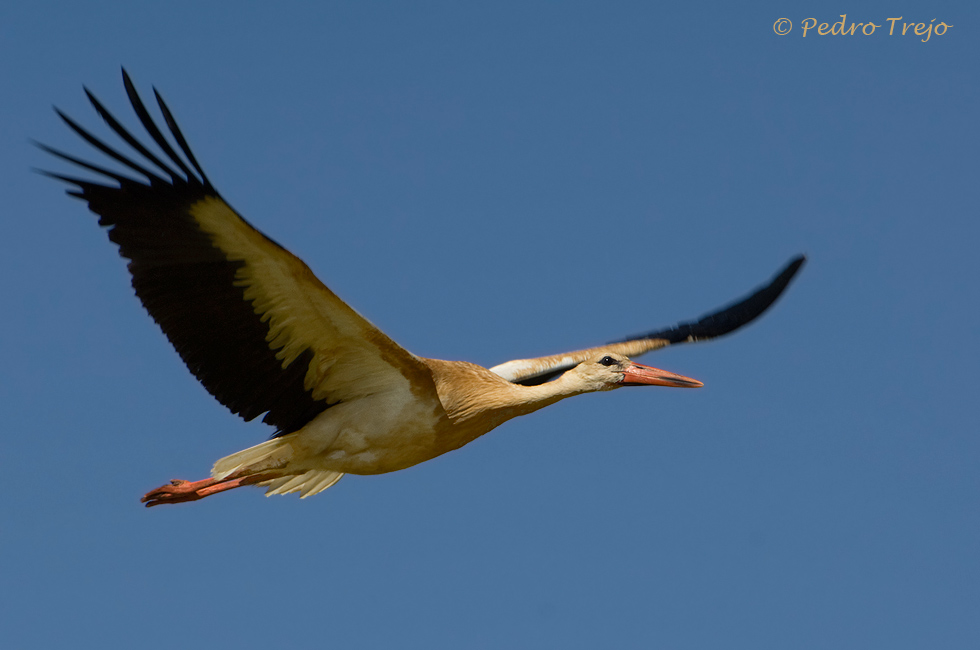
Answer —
249 318
531 372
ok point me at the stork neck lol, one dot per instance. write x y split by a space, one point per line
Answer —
532 398
469 392
514 400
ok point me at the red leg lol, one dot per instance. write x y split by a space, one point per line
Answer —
179 491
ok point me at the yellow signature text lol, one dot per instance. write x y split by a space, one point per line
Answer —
895 26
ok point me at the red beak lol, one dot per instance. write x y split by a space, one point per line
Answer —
640 375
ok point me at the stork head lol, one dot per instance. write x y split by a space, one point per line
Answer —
609 370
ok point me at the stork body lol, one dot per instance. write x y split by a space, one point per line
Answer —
267 338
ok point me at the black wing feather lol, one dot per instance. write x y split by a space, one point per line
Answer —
125 135
179 136
707 327
186 283
728 318
151 127
107 150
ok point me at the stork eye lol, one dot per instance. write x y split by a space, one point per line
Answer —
607 361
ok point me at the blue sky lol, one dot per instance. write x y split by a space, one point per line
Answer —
495 181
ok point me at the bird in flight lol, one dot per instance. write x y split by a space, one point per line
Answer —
266 338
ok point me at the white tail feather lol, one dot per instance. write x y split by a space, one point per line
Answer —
308 483
271 454
327 480
275 455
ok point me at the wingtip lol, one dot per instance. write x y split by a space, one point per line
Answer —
792 268
130 88
781 281
96 104
93 100
61 177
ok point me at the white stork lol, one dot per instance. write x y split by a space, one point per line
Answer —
265 336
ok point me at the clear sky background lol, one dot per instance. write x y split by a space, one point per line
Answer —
496 181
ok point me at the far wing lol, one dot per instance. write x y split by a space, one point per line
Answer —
249 318
531 372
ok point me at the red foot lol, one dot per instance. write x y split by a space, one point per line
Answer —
179 491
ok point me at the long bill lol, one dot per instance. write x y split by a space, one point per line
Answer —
639 375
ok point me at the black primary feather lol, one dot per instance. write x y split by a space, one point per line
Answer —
707 327
728 318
